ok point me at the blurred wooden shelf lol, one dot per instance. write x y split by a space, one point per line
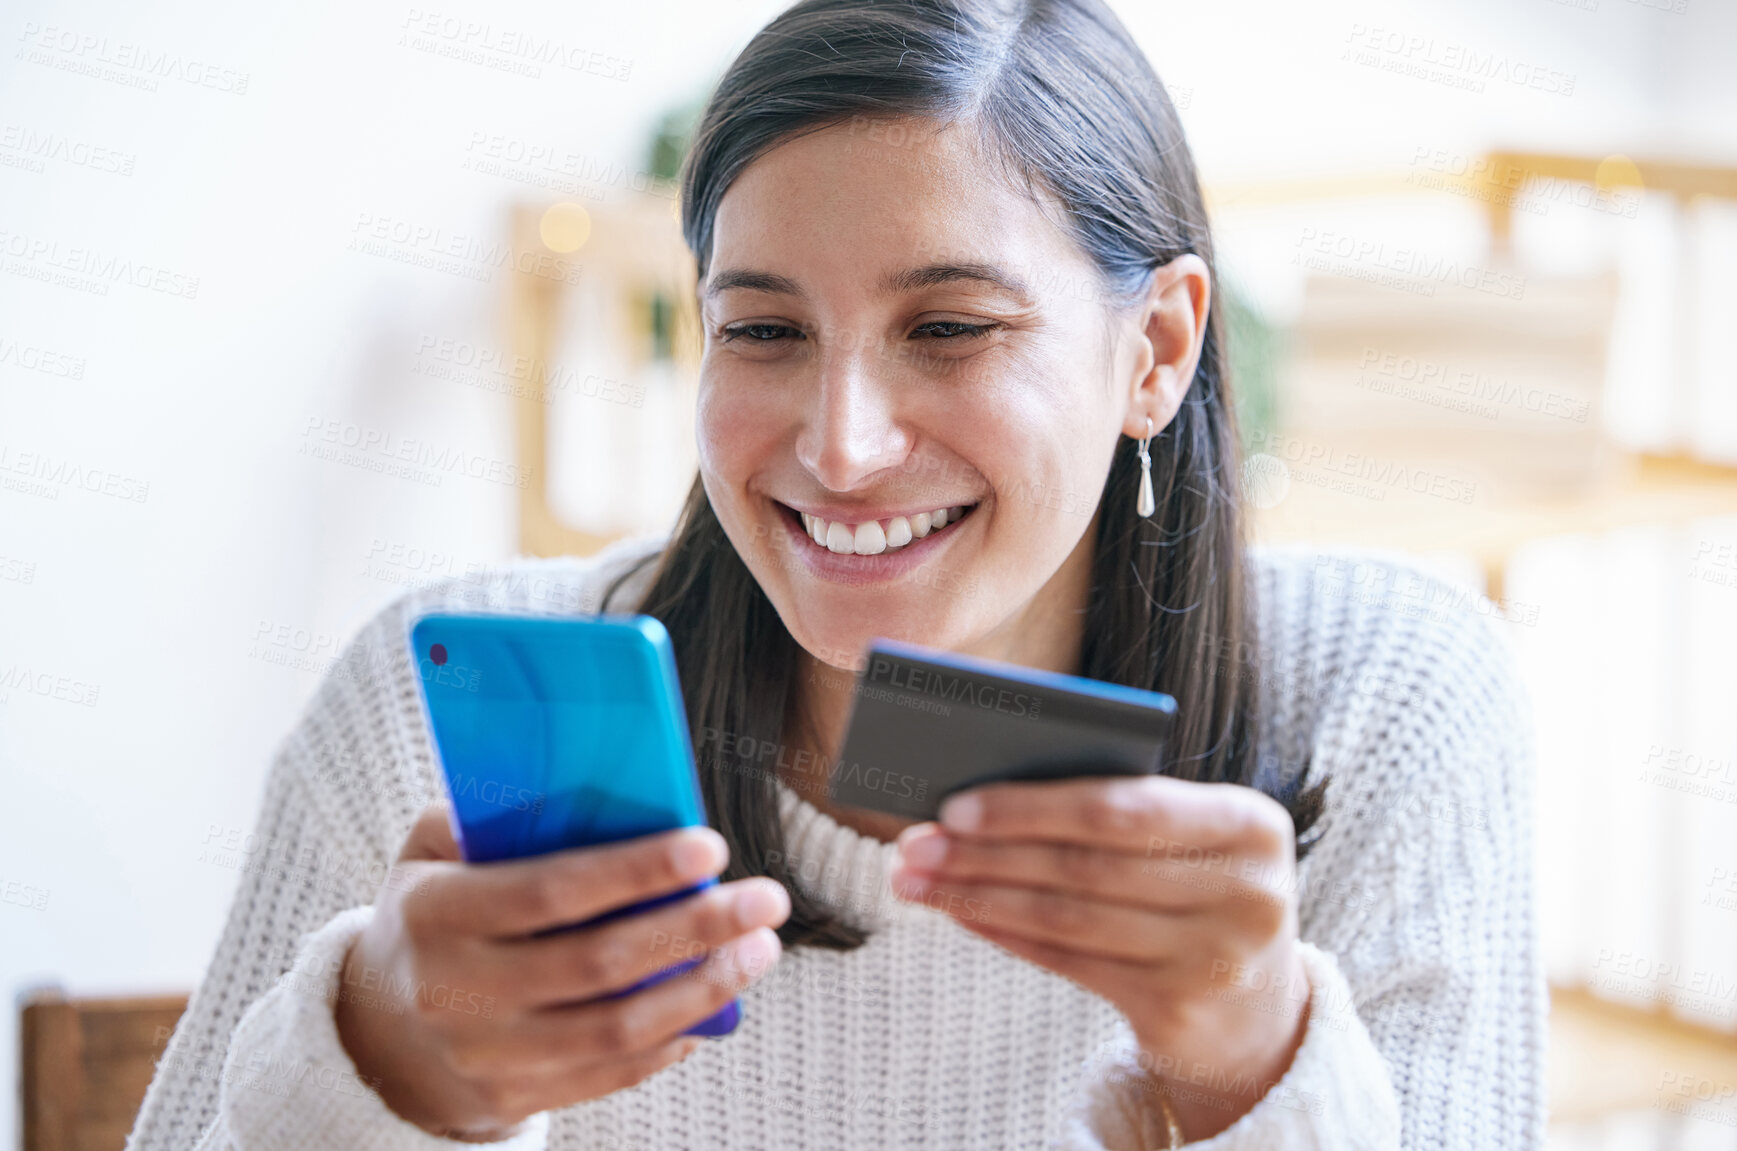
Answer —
633 249
1605 1058
1646 490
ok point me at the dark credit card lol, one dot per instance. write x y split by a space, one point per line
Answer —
925 723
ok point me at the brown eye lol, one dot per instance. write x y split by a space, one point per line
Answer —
952 330
758 333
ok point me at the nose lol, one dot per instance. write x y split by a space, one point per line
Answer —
852 430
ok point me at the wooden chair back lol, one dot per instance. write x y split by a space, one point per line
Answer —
85 1066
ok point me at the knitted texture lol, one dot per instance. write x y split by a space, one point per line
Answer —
1426 1017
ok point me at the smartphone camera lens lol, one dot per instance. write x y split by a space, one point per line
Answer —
437 653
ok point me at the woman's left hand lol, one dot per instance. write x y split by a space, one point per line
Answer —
1175 901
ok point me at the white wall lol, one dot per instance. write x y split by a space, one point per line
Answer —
157 604
157 610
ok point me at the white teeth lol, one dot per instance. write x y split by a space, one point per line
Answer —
870 538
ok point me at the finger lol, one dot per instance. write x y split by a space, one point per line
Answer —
1108 930
584 964
1286 996
1091 971
564 1040
548 1091
607 1078
1086 872
520 896
1058 959
1134 814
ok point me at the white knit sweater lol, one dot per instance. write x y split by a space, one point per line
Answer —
1425 1028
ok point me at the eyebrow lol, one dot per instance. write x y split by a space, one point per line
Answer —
908 280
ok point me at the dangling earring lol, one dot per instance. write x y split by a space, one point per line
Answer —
1147 504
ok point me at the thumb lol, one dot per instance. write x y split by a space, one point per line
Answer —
431 836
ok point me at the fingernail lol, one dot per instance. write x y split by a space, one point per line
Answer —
756 952
925 851
699 855
916 829
759 904
962 812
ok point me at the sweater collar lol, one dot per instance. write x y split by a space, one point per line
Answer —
839 866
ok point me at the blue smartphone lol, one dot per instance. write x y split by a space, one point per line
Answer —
559 732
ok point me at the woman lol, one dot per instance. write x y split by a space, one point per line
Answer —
957 292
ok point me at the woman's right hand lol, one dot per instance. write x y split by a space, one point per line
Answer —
466 1022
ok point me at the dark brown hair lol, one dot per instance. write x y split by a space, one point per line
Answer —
1063 97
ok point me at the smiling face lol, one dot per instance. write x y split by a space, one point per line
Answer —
892 329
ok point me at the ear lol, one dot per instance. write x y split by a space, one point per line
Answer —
1172 330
